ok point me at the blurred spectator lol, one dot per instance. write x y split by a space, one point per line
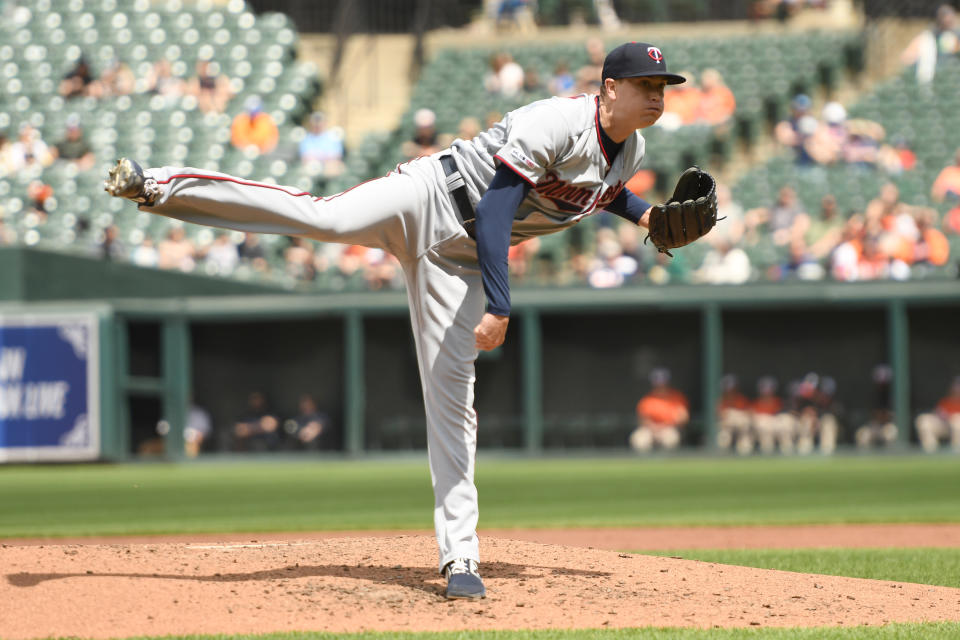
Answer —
610 267
931 247
947 185
254 128
258 429
665 269
897 157
212 90
561 82
520 257
816 421
845 257
382 271
827 143
880 428
796 131
77 82
589 75
252 252
7 235
733 417
771 423
642 182
197 430
934 45
29 152
299 259
110 247
951 221
873 263
517 16
469 128
176 251
531 82
145 254
162 82
424 140
116 80
661 415
717 103
825 231
680 103
222 255
6 154
781 217
322 147
74 148
862 145
800 264
724 264
839 139
38 193
943 423
308 426
505 76
492 118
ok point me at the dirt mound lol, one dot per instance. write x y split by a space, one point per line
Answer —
354 584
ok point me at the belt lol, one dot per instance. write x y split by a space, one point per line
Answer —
458 190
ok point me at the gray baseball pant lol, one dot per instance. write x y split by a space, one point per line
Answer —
411 215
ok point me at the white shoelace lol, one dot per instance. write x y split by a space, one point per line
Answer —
462 565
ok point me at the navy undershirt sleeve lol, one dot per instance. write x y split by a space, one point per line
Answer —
628 205
495 213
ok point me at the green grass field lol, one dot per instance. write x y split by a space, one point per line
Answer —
921 565
301 496
379 494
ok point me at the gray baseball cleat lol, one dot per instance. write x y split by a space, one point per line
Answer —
463 579
127 180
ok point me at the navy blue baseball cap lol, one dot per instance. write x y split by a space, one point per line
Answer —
637 59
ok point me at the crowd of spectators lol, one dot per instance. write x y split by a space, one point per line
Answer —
777 241
799 417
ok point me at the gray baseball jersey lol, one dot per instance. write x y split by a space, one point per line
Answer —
554 144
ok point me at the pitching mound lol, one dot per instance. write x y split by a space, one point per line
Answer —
354 584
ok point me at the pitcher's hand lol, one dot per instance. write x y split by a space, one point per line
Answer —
491 331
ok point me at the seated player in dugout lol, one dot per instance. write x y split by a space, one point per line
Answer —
450 219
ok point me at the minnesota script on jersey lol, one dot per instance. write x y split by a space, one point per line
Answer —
554 144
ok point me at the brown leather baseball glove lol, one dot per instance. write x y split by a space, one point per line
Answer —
688 215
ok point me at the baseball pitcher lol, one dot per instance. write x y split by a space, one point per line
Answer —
450 218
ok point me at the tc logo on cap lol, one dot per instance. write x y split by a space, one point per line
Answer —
655 53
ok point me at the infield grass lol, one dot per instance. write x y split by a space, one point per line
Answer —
227 496
921 565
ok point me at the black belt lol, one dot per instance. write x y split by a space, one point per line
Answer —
458 189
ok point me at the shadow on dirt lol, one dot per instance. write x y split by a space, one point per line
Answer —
421 578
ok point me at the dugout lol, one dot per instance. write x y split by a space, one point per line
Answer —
575 363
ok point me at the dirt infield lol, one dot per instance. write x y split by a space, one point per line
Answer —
345 584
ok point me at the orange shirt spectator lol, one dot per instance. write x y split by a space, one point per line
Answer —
644 180
767 405
951 222
663 407
949 406
935 248
717 103
733 400
948 182
254 128
682 100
